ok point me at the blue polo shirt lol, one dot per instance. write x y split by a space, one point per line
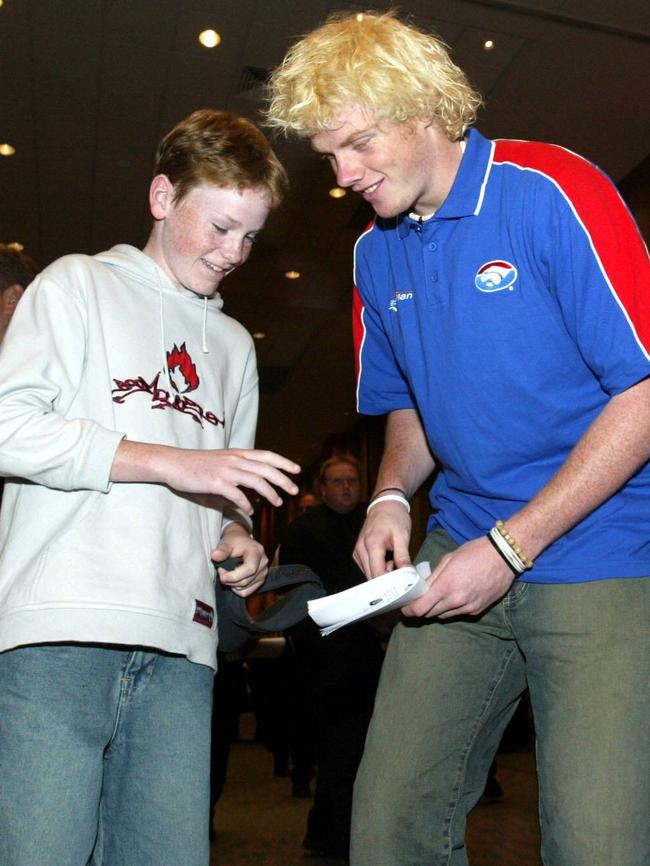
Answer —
509 319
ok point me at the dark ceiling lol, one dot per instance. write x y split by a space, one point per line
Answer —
90 86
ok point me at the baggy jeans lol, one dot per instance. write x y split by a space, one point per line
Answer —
448 690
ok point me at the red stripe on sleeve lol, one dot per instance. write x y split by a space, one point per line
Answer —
614 236
358 330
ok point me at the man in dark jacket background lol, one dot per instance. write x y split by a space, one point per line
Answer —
341 671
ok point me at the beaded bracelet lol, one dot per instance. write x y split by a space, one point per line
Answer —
505 552
503 532
389 497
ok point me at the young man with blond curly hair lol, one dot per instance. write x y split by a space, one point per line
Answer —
501 325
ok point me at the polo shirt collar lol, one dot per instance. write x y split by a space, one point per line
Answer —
466 194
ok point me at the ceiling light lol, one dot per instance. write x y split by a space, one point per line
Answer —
15 245
258 335
292 275
209 38
488 45
7 150
337 192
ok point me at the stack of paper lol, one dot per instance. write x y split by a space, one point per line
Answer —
379 595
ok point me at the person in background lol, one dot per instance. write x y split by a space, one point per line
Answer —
16 272
338 673
502 326
128 407
306 501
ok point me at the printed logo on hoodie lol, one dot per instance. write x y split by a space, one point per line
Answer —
182 369
203 613
183 377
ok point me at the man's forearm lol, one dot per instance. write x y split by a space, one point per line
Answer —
614 448
406 461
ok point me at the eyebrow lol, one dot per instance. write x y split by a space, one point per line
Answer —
348 141
235 223
222 215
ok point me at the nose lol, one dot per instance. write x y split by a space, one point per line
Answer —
348 171
234 251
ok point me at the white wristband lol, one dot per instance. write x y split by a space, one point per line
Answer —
390 497
510 556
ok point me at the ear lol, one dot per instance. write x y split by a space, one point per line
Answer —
161 196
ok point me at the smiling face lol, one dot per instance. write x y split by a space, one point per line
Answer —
200 239
395 167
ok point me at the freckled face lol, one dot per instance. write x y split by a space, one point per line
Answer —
395 167
205 236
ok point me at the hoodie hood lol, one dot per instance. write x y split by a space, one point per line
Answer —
143 269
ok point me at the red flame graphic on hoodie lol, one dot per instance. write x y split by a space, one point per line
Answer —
180 361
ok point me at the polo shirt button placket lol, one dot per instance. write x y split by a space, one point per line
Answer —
433 289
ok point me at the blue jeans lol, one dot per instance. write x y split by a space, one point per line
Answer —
104 757
447 691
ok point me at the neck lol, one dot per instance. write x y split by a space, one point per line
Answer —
446 158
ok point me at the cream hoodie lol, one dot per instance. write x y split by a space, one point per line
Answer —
102 348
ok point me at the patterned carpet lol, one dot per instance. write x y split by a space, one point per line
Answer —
259 822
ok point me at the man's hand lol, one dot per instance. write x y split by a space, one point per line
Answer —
215 472
387 528
464 583
246 578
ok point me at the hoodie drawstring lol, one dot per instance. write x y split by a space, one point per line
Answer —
204 338
162 340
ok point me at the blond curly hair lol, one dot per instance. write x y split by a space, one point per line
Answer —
387 67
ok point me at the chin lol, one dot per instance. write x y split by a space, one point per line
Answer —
203 293
387 212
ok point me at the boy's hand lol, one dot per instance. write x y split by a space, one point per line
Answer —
246 578
220 472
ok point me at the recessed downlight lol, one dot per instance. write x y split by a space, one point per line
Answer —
209 38
7 149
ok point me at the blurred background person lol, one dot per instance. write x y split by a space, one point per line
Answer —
16 272
340 672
